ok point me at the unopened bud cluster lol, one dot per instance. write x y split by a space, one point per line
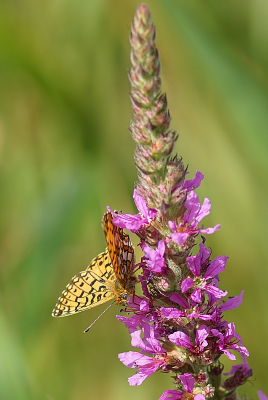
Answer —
150 128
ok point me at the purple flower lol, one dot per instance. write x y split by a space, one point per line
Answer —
191 218
140 308
174 313
191 184
240 374
133 322
154 258
204 281
145 364
232 302
242 367
135 222
182 340
188 383
229 340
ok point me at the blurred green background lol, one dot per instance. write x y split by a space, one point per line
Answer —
66 153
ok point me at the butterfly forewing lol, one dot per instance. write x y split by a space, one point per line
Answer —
89 288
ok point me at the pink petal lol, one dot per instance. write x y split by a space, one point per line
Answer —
199 397
209 231
142 206
194 264
228 354
179 238
215 291
232 303
193 206
171 395
186 284
243 367
261 395
161 247
201 334
140 203
204 253
129 222
231 329
144 305
205 317
136 340
197 295
180 339
216 266
204 210
171 313
156 261
172 225
241 349
188 382
179 299
131 359
138 378
195 182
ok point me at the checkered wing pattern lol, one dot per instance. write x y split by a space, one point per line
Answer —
121 252
108 276
89 288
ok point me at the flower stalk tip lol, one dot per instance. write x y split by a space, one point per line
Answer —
150 127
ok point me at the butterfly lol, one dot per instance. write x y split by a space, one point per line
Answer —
108 276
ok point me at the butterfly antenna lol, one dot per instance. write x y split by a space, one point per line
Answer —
86 330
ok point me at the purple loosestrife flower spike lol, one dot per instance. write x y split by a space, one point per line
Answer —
177 323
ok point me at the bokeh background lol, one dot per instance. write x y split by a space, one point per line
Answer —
66 153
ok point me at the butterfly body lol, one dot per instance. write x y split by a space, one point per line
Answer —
108 276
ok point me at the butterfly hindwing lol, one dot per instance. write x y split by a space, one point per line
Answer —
108 276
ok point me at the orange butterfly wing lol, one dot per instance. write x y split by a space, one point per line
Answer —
109 275
89 288
121 253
